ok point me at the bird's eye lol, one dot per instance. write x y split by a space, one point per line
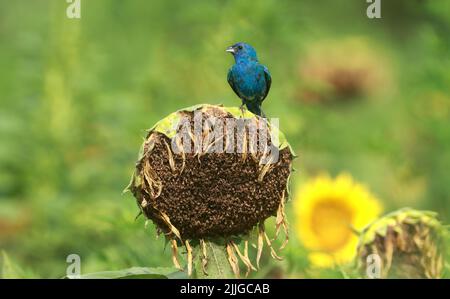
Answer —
240 47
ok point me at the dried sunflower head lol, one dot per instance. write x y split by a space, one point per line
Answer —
212 172
409 244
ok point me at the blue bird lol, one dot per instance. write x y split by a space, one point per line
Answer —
249 79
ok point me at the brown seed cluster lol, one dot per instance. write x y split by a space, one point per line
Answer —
410 251
207 194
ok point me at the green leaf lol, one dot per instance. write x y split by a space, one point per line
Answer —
136 273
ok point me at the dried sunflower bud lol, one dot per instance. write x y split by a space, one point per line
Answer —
408 244
212 172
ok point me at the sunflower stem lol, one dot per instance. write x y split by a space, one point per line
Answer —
216 266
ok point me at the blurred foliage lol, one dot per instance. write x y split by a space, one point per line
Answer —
77 95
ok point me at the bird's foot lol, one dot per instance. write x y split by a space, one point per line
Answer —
242 108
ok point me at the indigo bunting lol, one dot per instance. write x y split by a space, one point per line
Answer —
249 79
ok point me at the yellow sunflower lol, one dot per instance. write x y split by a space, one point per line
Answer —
329 212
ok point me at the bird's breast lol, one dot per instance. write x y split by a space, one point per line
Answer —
250 81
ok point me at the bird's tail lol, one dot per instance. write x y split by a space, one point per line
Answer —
255 108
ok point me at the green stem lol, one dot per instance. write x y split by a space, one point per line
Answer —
217 261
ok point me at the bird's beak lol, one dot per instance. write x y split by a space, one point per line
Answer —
231 50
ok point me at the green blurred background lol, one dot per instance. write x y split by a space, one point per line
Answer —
366 96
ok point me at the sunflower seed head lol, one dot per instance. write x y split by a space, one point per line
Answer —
409 243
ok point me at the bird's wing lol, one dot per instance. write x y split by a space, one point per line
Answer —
268 81
231 82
